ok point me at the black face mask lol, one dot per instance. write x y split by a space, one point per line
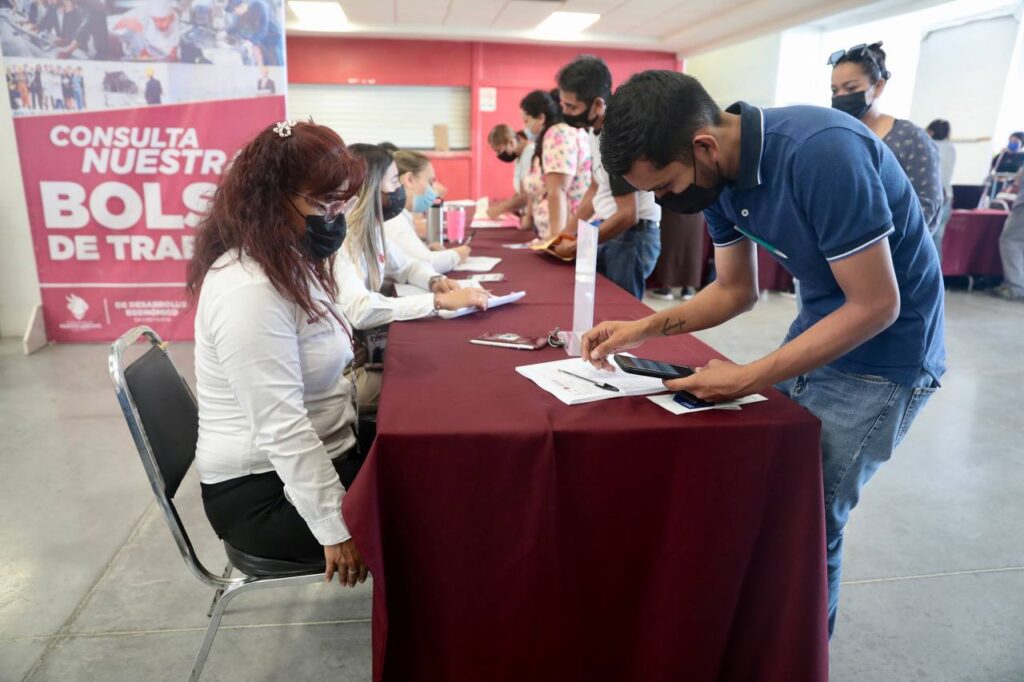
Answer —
694 198
507 157
581 120
322 239
855 104
394 203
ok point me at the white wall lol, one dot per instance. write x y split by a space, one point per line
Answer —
803 74
746 71
19 283
1011 113
961 77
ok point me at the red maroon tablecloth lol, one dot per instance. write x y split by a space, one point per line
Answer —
513 538
771 276
970 245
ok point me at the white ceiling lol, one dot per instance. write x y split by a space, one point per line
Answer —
683 26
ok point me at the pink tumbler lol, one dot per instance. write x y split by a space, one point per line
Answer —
455 223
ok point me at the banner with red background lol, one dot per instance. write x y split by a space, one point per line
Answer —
113 198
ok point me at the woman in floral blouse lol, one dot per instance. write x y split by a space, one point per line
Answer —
560 171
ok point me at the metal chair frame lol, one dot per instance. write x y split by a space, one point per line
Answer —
227 588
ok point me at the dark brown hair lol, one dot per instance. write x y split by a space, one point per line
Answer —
250 210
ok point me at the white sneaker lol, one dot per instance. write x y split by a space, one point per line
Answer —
663 293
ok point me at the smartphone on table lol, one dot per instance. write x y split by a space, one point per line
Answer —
661 370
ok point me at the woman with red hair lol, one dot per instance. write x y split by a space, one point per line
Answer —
277 443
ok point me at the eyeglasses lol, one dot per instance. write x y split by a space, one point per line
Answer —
331 209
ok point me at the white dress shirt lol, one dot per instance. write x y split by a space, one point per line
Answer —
272 392
522 167
401 233
366 308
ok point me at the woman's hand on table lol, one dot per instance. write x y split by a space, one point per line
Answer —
443 285
463 298
608 338
463 252
345 560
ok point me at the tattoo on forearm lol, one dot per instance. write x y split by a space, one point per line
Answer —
670 327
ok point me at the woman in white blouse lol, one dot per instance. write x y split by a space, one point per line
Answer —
368 257
276 414
415 173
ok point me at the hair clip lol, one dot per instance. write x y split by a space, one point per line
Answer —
284 128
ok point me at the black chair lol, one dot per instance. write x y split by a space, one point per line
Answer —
967 196
164 422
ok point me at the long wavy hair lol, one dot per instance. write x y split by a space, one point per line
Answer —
250 211
366 219
540 102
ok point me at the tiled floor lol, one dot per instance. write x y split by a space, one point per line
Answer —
93 588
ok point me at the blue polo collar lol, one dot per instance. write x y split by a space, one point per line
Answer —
751 144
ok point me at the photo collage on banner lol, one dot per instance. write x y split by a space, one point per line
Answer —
85 55
126 112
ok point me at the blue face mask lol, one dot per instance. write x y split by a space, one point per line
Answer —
530 135
422 202
1013 147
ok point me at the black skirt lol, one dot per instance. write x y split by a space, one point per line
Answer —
252 514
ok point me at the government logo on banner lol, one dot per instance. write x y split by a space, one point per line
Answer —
126 113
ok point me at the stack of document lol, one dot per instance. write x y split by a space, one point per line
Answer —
576 388
403 290
492 302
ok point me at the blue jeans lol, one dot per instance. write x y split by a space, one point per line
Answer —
863 419
629 259
944 215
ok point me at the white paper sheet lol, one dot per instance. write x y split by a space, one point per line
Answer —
493 302
403 290
672 406
477 264
573 391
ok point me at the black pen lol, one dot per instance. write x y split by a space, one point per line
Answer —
607 387
472 233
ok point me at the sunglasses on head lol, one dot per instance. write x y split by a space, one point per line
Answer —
855 52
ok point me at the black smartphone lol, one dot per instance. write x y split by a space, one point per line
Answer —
661 370
652 368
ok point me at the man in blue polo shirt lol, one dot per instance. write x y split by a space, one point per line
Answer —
830 202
